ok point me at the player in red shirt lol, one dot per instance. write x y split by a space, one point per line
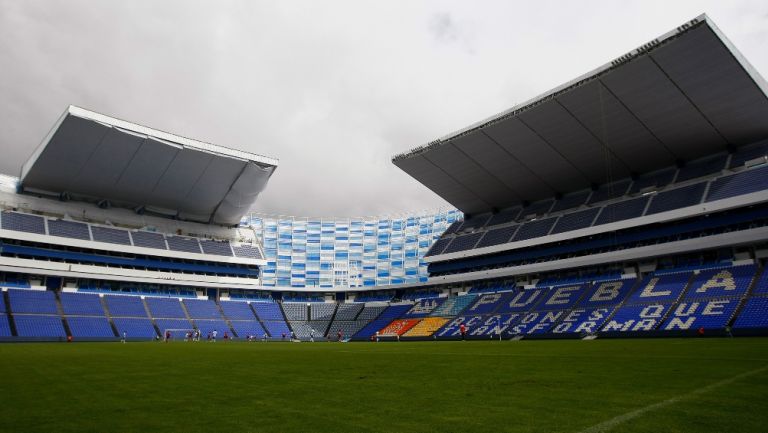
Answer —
463 330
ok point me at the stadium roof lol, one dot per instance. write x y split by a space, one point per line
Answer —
683 95
93 157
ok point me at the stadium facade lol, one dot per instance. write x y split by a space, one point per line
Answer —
631 201
347 252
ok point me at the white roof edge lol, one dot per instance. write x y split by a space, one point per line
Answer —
166 136
703 18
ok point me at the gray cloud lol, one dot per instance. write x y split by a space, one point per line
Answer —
331 89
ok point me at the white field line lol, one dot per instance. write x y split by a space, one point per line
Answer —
613 422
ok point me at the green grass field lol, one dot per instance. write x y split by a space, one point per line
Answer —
694 385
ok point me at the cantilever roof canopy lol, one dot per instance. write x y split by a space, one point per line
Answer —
93 157
684 95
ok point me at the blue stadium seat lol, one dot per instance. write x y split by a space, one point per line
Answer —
234 310
745 182
148 240
521 300
218 248
486 304
206 326
267 311
637 318
754 314
202 309
705 313
660 289
23 222
575 220
726 282
32 301
608 293
69 229
183 244
181 325
38 326
423 308
622 210
390 313
453 306
534 229
134 327
244 328
677 198
125 306
277 328
82 304
563 297
92 327
497 236
165 307
463 242
583 320
5 327
110 235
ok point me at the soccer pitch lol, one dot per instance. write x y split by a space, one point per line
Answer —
670 385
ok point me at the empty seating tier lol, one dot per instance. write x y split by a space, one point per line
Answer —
187 245
23 222
110 235
68 229
134 327
218 248
32 301
324 311
348 311
202 309
237 310
149 240
81 304
90 327
426 327
125 306
295 310
244 328
39 326
165 307
247 251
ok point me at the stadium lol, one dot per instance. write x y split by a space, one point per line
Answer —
603 268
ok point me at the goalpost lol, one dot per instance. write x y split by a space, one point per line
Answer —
178 334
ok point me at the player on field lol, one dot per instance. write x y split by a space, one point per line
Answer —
214 333
340 335
124 337
463 331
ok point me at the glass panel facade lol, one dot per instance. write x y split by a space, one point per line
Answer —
347 252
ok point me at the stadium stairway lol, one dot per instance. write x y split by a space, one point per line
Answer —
60 309
623 302
747 295
226 320
108 315
333 318
9 313
258 319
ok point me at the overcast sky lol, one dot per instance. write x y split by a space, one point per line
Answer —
331 89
